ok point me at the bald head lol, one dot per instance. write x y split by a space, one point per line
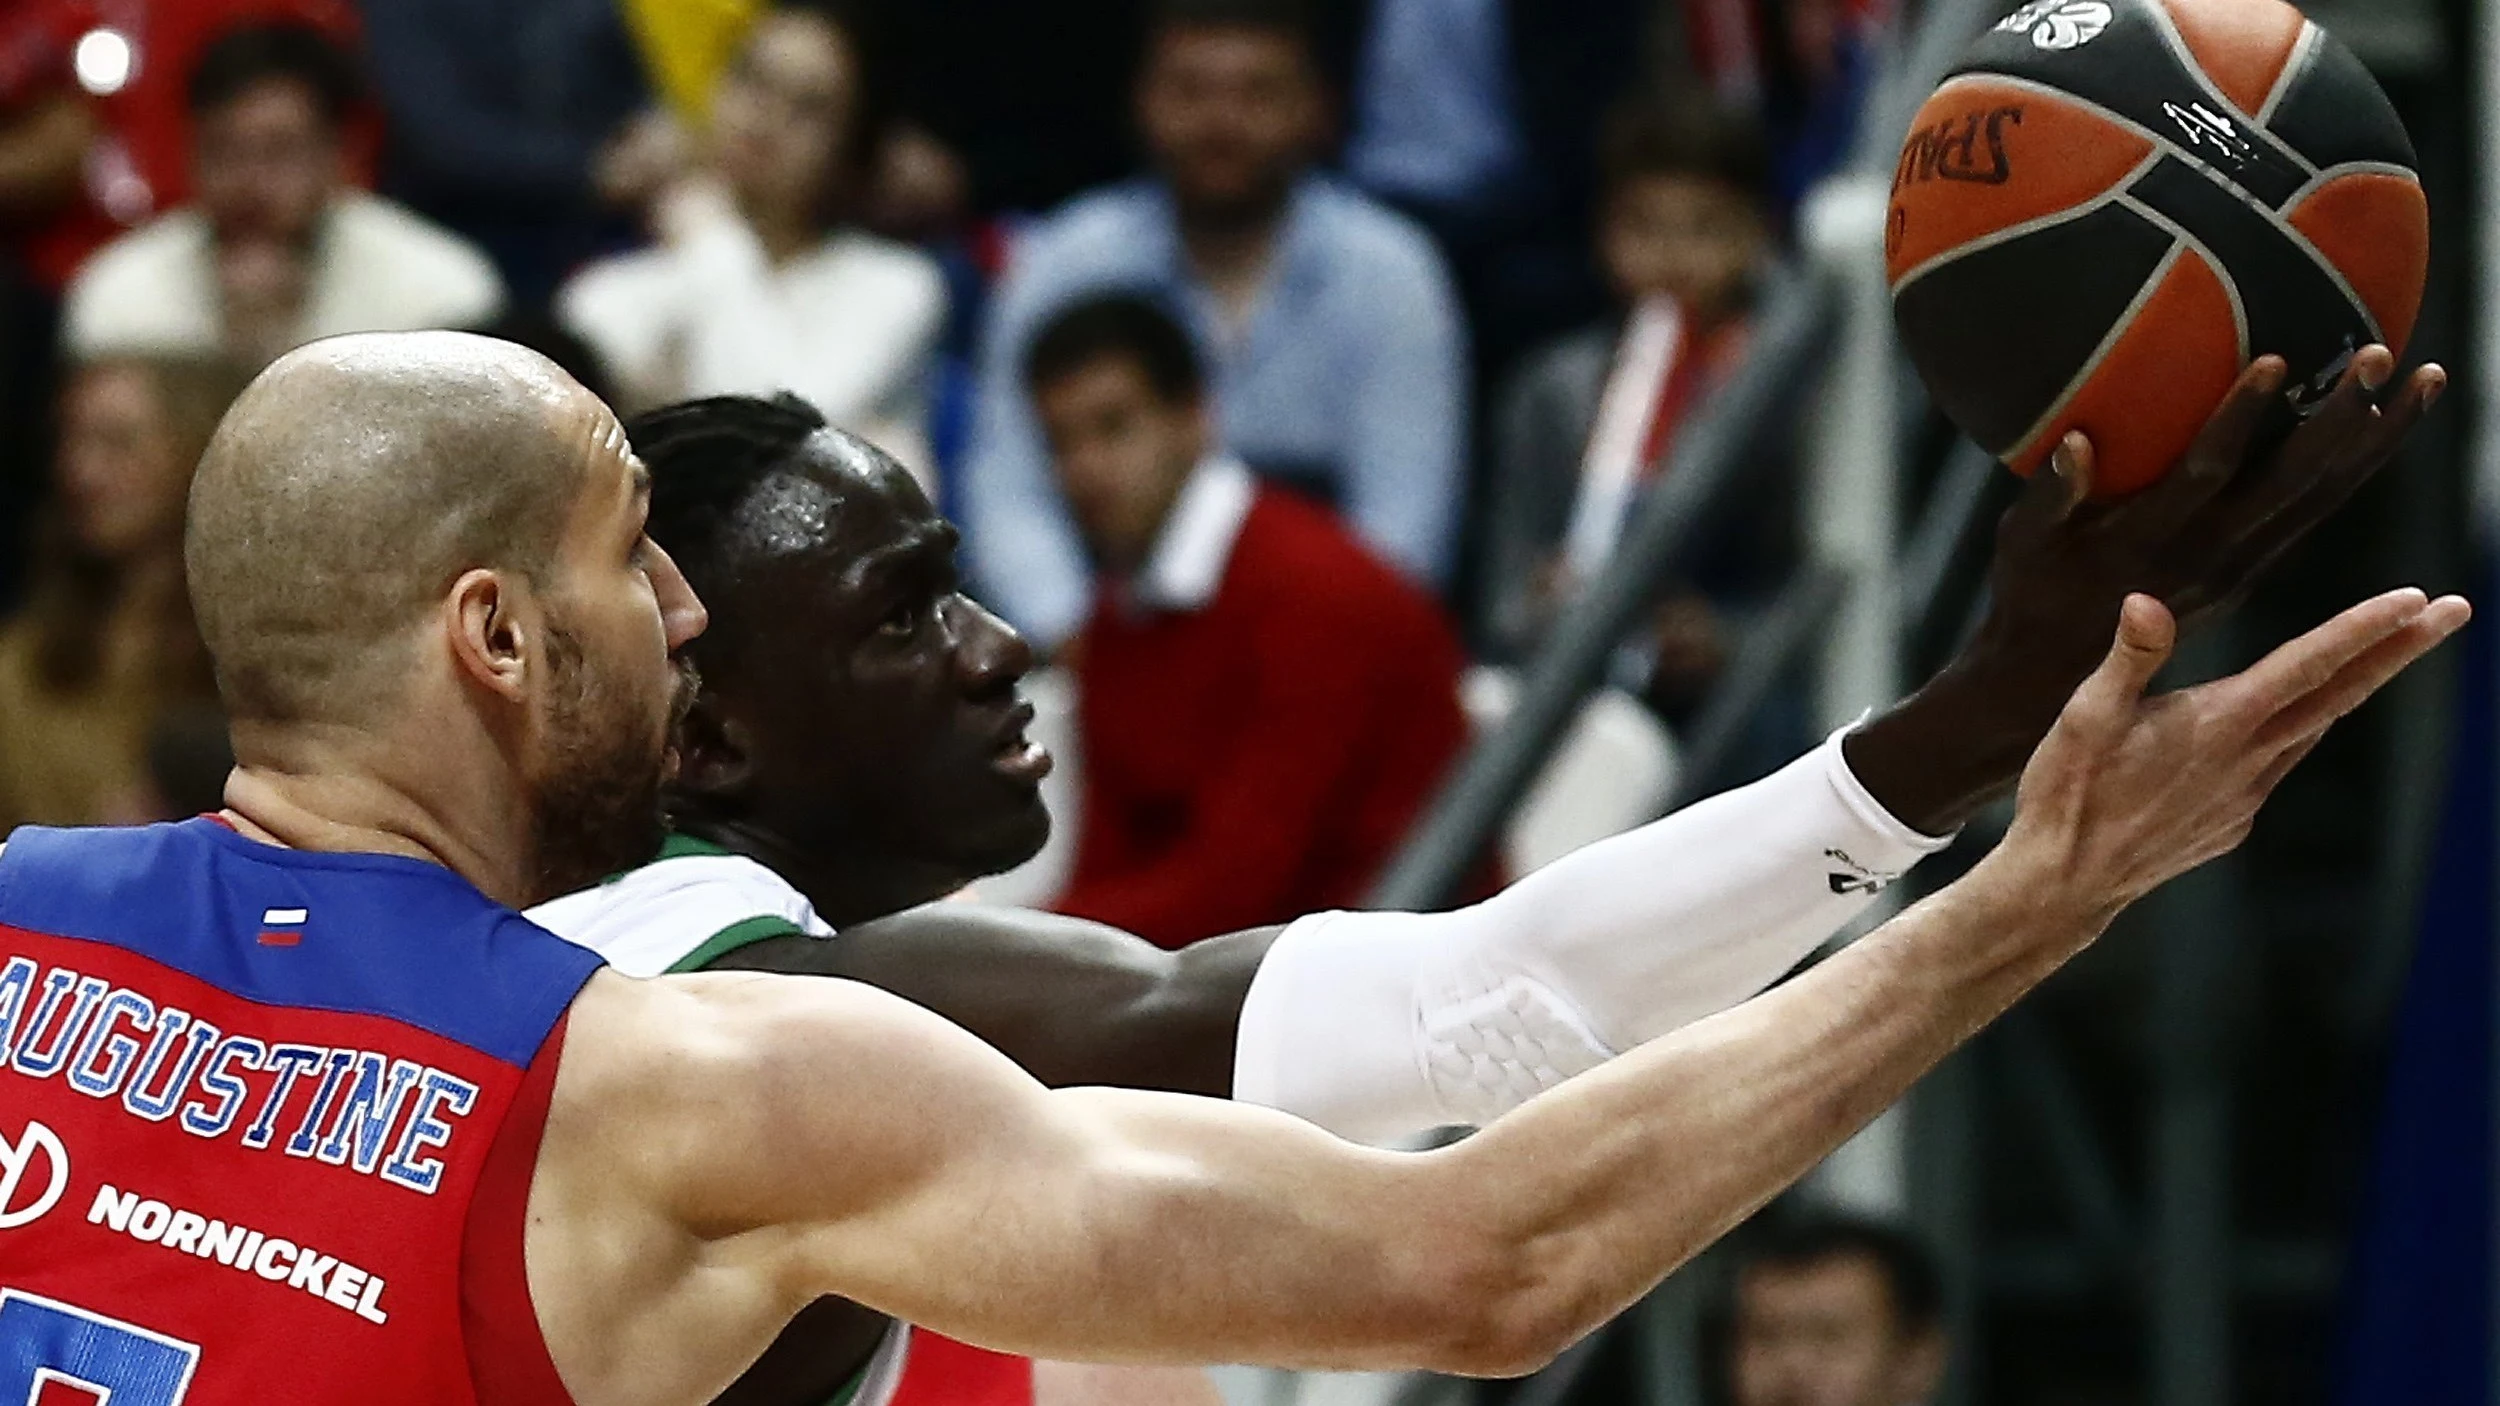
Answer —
350 486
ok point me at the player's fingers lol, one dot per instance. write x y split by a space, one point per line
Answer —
2385 433
2146 635
2304 665
2309 716
2215 459
2071 467
2263 540
2055 489
2347 409
2328 459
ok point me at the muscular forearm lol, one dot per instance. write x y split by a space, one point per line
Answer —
1675 1144
1378 1026
1490 1256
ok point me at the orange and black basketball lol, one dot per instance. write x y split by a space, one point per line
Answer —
2111 206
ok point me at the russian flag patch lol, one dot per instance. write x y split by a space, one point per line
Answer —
283 927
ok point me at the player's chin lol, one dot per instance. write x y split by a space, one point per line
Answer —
1007 833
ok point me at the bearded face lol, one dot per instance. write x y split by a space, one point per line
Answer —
602 755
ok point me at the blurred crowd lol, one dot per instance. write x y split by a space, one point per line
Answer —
1281 361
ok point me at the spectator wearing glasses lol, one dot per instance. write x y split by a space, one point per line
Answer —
278 248
1335 349
761 282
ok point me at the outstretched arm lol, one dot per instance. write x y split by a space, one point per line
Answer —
1379 1026
1073 1002
790 1139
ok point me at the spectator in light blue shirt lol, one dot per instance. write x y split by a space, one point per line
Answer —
1337 350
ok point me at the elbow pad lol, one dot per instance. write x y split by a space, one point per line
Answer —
1378 1026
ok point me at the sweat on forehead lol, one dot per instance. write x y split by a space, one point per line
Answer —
350 485
836 481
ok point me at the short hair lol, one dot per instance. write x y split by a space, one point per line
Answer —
1684 136
246 56
349 486
1128 326
1804 1239
1287 19
706 456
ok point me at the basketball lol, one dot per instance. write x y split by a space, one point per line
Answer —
2111 206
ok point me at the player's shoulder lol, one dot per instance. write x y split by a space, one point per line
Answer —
675 1047
688 907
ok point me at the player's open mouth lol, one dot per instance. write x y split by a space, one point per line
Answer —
1019 756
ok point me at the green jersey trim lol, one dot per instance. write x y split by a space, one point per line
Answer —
680 845
761 928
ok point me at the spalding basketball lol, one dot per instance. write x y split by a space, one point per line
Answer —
2112 206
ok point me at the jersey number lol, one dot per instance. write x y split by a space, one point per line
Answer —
54 1355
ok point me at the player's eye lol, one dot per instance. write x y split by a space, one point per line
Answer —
903 621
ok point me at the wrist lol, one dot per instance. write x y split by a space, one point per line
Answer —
1935 758
2034 896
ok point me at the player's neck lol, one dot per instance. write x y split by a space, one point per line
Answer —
846 884
301 797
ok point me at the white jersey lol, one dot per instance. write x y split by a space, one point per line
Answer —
682 911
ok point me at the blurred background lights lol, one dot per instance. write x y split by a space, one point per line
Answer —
102 61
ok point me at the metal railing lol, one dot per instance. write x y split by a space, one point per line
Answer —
1703 467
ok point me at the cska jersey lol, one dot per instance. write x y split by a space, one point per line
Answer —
691 906
916 1367
268 1120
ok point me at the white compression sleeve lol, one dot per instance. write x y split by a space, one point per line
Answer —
1378 1026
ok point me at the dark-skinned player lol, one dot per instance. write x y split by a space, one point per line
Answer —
858 752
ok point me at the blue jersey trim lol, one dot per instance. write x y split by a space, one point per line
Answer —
381 935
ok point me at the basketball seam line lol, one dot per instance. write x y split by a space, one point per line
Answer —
2196 73
2303 50
2299 240
2221 271
2120 119
2118 330
2034 225
2349 168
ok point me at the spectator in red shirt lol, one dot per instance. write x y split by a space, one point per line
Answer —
1265 707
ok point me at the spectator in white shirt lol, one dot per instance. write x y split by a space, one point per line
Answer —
759 283
278 249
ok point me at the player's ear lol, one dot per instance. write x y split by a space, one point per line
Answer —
714 756
490 630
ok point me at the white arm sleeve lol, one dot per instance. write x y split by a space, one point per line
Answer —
1378 1026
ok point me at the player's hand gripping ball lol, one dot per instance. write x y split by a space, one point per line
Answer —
2111 206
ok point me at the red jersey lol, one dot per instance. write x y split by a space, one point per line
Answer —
268 1120
918 1368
